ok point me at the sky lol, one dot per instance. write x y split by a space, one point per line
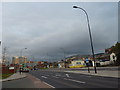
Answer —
119 22
0 31
52 30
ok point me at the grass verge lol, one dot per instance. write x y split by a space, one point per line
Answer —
4 76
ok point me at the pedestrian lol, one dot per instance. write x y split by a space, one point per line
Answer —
20 70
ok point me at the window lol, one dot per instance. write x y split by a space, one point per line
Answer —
78 62
113 57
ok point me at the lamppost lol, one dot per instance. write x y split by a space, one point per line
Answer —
22 52
63 52
90 37
64 58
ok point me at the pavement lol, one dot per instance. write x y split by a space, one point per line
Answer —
14 77
36 82
104 73
101 71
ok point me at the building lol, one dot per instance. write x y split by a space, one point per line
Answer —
107 58
19 60
15 60
113 57
77 64
22 60
61 65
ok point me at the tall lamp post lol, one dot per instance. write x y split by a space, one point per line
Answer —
63 52
22 52
90 37
64 58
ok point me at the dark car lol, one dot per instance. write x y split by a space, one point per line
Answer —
25 70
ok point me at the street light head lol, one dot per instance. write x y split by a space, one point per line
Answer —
25 48
75 7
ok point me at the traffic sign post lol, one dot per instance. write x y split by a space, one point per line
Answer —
87 63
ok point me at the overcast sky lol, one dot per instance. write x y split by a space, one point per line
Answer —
49 30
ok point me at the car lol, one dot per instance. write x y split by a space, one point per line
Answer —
25 70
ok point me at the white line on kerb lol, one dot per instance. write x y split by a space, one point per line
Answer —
49 85
74 80
43 77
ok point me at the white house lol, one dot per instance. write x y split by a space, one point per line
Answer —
113 57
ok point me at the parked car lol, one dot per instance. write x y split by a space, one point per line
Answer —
25 70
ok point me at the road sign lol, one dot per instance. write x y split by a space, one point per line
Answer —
87 61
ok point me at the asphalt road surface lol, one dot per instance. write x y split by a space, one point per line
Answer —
71 80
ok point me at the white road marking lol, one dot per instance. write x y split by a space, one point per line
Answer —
74 80
55 77
43 77
49 85
67 75
58 75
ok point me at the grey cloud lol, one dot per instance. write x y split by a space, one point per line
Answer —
44 28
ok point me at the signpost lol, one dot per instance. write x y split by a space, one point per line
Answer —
87 63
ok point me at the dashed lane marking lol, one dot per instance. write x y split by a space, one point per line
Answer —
43 77
55 76
67 75
58 75
74 80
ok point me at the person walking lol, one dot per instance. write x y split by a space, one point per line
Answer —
20 70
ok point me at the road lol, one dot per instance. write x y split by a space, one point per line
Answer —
71 80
